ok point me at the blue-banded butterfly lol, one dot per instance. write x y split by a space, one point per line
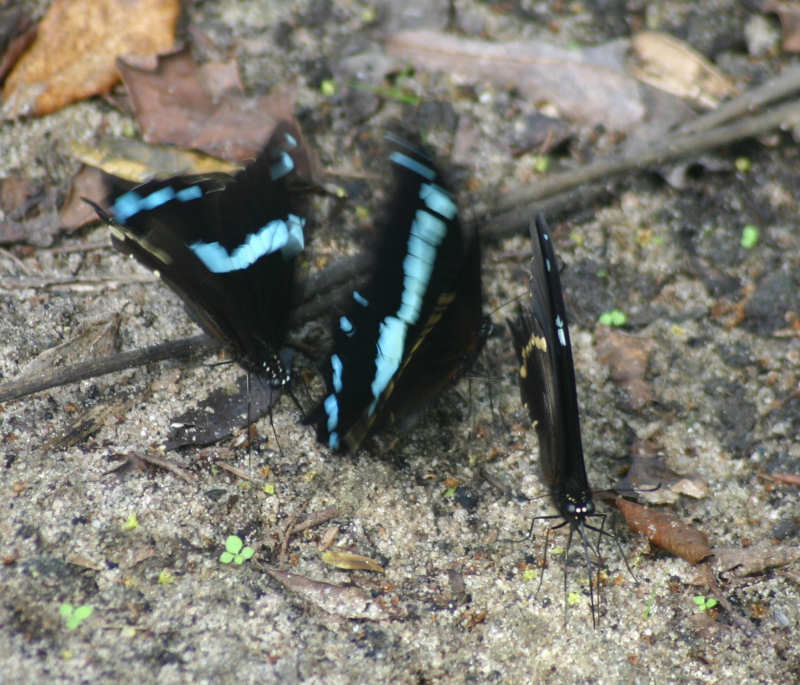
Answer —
417 324
227 245
547 389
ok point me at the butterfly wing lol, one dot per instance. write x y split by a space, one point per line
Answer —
390 340
547 379
227 245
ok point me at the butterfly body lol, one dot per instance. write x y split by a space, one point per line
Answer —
397 341
227 245
548 392
547 382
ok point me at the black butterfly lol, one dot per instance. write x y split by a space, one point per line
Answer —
417 325
547 388
227 246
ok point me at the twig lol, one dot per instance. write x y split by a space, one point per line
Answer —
529 199
41 380
315 519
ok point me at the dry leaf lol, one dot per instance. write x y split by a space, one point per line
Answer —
745 562
350 562
179 102
626 356
588 85
345 602
657 483
789 14
74 212
29 212
76 47
671 65
135 161
665 531
17 32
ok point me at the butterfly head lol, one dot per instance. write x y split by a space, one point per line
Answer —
576 506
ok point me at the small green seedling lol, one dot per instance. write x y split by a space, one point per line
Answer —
450 492
613 318
540 163
705 603
749 237
573 598
74 616
328 87
235 551
529 574
166 577
130 523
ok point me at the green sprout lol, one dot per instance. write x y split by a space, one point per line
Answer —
130 523
235 551
529 574
74 616
749 237
615 317
268 488
573 598
390 93
166 577
705 603
328 87
450 492
541 163
743 164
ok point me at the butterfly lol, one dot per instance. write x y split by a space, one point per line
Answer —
417 325
227 245
547 389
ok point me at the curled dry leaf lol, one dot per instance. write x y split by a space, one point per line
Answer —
76 46
346 602
350 561
665 531
671 65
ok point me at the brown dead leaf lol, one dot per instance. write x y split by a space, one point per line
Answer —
17 32
29 211
671 65
665 531
626 356
745 562
179 102
789 14
77 43
589 85
343 601
657 483
74 213
349 561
